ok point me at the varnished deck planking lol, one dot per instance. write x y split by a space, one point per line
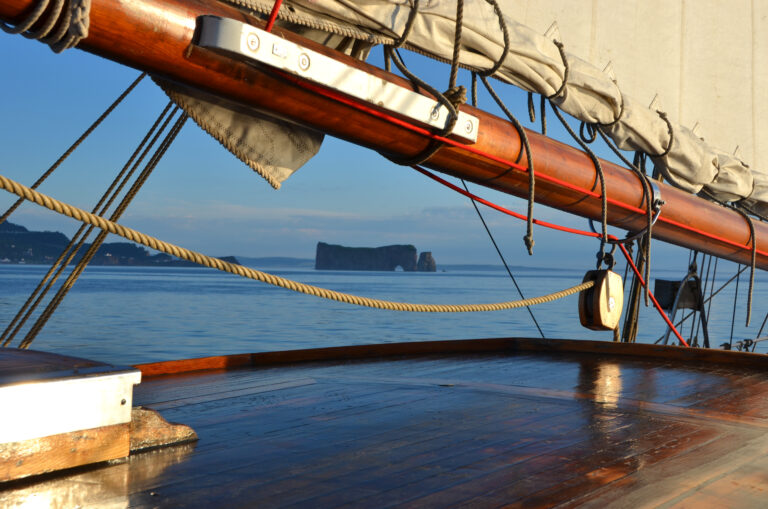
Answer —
482 430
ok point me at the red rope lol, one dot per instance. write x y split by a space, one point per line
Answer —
650 294
560 228
419 130
273 15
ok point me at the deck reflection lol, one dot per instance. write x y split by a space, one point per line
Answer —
107 486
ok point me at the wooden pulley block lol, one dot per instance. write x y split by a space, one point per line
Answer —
600 306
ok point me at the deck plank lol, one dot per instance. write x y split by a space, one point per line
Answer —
465 430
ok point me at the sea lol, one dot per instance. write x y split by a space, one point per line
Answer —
130 315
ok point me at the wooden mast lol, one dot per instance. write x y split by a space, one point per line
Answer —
156 36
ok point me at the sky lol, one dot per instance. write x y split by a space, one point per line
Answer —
203 198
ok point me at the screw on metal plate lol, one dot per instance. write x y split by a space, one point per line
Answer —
123 401
304 62
279 50
252 40
435 113
468 127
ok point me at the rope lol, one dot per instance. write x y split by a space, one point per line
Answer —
93 248
452 98
408 25
505 34
671 131
567 70
456 44
80 236
733 313
214 263
528 239
601 255
753 239
646 191
453 115
76 144
73 23
500 160
273 16
562 229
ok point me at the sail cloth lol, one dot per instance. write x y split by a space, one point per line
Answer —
273 148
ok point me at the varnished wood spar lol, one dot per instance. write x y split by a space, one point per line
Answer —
156 36
421 348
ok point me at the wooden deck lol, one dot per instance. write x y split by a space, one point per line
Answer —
461 430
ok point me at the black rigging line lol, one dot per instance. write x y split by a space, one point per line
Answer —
503 260
733 316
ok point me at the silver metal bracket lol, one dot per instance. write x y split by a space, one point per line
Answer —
254 45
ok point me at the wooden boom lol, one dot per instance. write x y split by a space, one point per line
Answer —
156 36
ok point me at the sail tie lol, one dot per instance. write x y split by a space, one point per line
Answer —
73 22
753 241
561 49
452 98
525 147
601 255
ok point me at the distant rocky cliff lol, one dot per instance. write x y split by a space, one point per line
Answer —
19 245
386 258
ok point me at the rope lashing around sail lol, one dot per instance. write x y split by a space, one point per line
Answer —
452 98
561 49
71 16
214 263
753 261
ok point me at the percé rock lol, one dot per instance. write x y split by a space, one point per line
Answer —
426 262
385 258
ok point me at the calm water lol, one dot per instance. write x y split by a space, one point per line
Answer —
139 314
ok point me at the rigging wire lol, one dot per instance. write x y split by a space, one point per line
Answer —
76 144
733 315
122 206
81 235
503 259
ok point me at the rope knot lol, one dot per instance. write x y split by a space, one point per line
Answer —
529 243
456 95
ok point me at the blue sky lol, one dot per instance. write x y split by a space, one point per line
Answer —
203 198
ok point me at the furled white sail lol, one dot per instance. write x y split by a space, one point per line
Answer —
704 62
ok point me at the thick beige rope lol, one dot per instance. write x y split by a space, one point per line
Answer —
214 263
